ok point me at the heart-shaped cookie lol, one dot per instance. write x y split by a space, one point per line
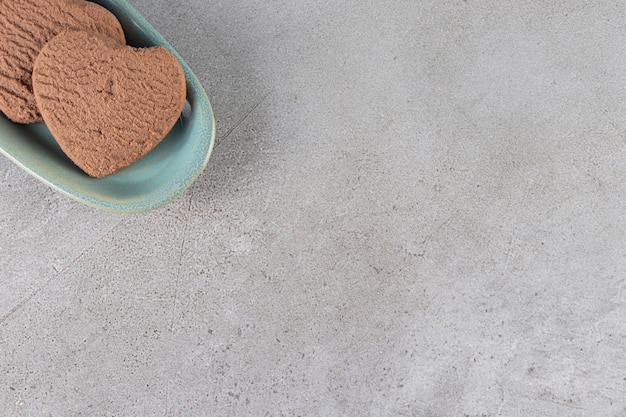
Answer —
25 27
106 104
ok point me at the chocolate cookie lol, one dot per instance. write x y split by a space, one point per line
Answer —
106 104
25 27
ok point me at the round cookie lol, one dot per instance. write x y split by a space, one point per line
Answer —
25 27
107 104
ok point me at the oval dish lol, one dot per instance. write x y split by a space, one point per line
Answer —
151 182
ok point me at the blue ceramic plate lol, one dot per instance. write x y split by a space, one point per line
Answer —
153 181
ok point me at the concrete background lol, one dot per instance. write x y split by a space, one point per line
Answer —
415 208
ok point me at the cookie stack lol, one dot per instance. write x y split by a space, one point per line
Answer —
66 62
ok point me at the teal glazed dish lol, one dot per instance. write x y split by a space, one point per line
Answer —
152 181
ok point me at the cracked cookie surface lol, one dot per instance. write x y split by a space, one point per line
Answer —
25 27
106 104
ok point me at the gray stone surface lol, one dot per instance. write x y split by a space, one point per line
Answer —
416 208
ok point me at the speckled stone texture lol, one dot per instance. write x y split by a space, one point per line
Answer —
416 209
